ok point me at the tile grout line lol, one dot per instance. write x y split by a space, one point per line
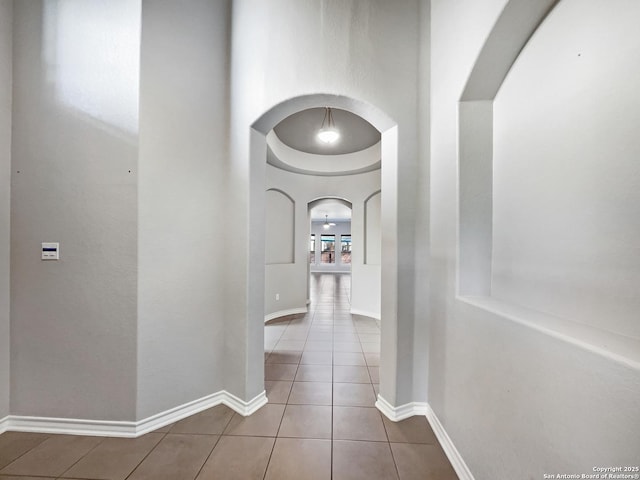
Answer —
47 437
211 452
148 453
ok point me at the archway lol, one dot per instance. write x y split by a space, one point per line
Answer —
389 243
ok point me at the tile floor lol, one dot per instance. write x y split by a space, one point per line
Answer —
321 376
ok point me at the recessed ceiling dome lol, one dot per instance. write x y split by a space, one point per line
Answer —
294 145
299 131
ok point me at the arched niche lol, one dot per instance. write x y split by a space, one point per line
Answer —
280 230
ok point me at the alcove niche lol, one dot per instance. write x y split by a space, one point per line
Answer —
481 268
279 227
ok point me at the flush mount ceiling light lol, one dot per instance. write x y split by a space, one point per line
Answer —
328 132
326 223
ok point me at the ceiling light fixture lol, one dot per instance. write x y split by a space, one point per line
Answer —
326 225
328 132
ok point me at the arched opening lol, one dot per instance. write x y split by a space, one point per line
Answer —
388 226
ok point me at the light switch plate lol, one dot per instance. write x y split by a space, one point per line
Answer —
50 251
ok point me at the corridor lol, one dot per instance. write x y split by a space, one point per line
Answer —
322 372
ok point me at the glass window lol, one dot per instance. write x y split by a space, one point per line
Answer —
328 248
312 249
345 240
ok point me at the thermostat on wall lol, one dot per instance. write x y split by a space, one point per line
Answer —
51 251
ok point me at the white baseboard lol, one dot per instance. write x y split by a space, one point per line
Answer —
71 426
245 408
457 462
395 414
105 428
4 423
364 313
284 313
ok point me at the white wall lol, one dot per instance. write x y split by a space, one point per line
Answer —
73 321
6 59
367 51
290 281
372 240
566 169
182 208
516 402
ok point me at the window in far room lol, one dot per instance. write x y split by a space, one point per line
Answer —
328 248
345 240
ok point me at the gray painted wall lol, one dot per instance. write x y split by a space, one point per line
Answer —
74 156
516 402
184 92
6 41
567 208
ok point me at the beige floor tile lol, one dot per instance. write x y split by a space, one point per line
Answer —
343 320
358 423
422 462
320 329
323 317
280 371
114 458
349 358
346 337
316 358
311 393
277 391
346 346
374 373
53 456
284 357
370 347
376 389
263 423
312 346
353 395
373 359
314 373
344 328
362 461
351 374
176 457
295 334
238 458
369 337
320 336
414 429
164 429
306 421
15 444
212 421
366 329
289 346
298 459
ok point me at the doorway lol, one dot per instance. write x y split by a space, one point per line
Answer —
259 150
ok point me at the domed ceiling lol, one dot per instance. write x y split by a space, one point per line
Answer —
294 146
